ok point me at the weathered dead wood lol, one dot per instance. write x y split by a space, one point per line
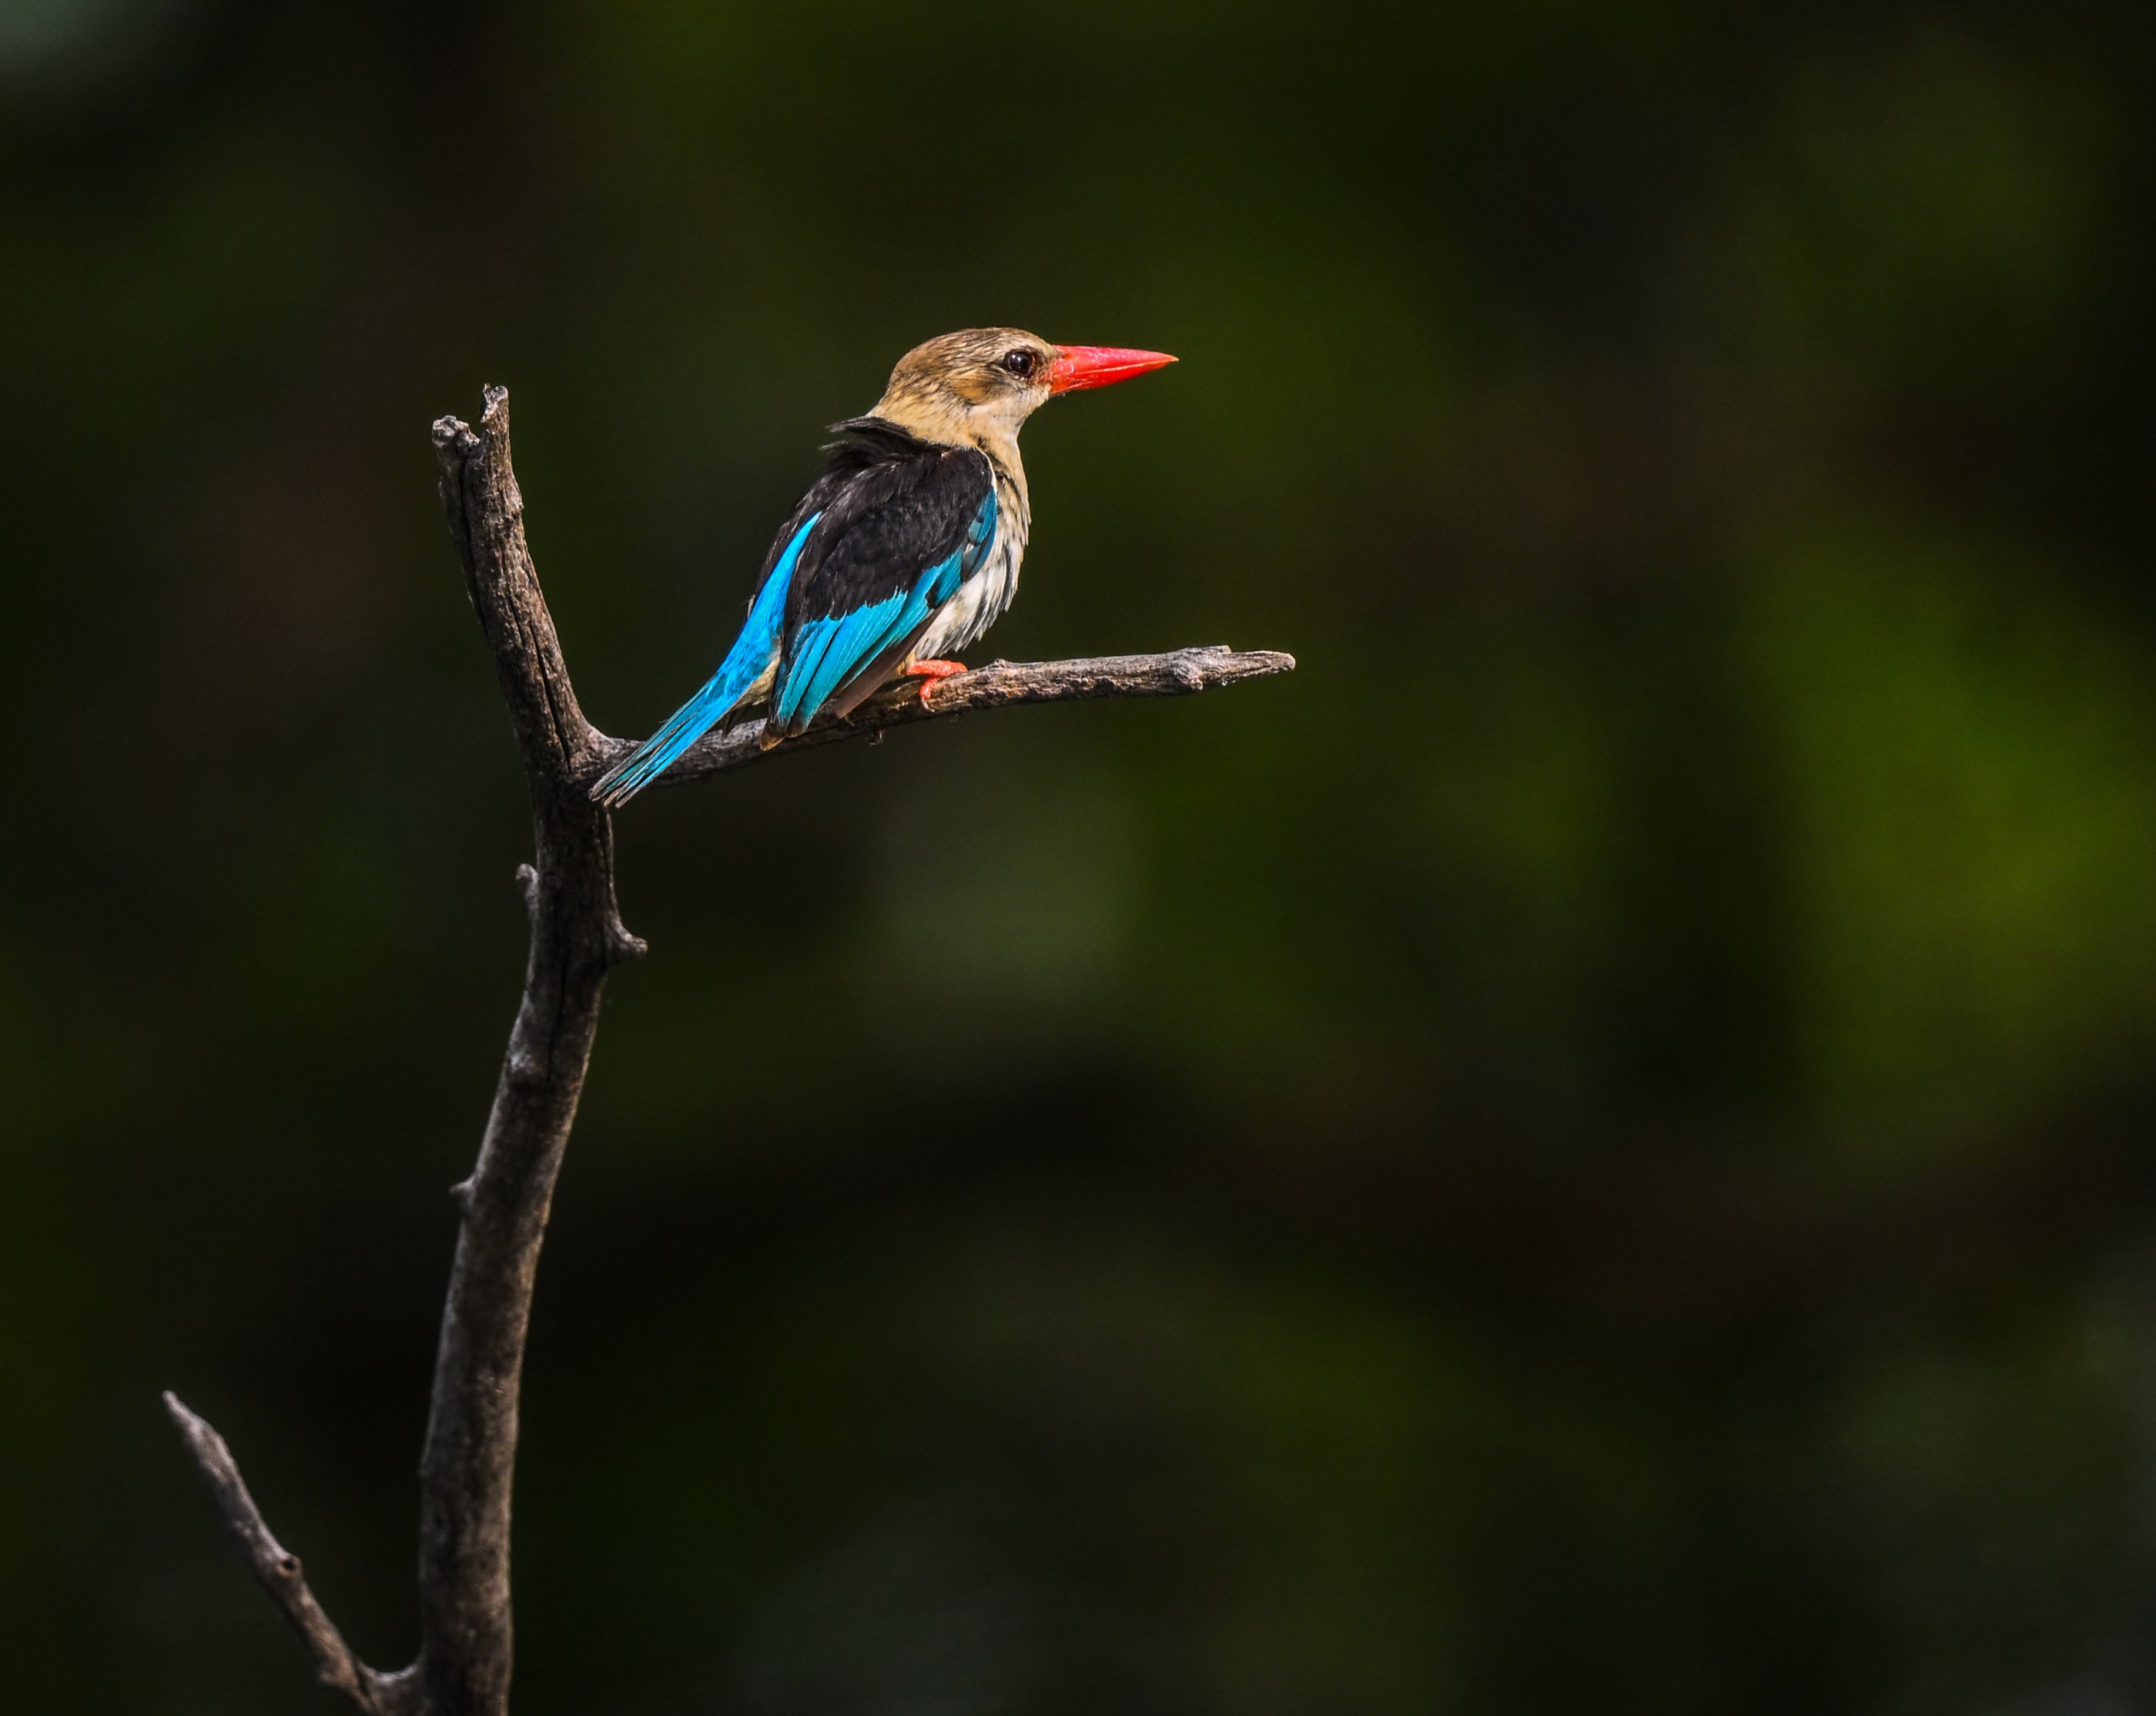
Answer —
280 1572
467 1642
1180 673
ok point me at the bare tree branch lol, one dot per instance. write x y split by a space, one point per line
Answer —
466 1642
280 1574
1180 673
577 936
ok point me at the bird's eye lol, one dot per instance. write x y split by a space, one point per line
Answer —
1022 364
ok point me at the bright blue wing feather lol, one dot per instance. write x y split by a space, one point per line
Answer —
828 652
984 531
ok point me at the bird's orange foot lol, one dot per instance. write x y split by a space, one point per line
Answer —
931 672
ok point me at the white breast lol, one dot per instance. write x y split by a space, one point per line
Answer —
980 601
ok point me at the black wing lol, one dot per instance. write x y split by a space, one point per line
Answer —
899 522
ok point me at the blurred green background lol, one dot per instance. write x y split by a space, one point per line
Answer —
1590 1151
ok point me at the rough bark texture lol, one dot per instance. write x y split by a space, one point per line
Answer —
1180 673
466 1646
577 936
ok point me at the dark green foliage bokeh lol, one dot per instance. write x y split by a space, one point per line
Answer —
1588 1151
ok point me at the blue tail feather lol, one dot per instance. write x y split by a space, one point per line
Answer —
683 729
753 653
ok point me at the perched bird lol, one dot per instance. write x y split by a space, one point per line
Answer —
904 550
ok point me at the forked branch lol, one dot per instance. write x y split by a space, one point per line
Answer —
466 1640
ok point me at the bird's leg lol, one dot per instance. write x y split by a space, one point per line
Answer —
931 672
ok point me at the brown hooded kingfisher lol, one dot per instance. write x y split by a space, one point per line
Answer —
907 546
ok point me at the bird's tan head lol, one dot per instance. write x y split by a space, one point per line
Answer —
980 385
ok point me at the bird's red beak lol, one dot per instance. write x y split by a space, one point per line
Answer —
1077 366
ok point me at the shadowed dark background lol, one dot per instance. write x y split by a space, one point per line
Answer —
1590 1151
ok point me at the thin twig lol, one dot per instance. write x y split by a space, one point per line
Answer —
466 1647
279 1570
